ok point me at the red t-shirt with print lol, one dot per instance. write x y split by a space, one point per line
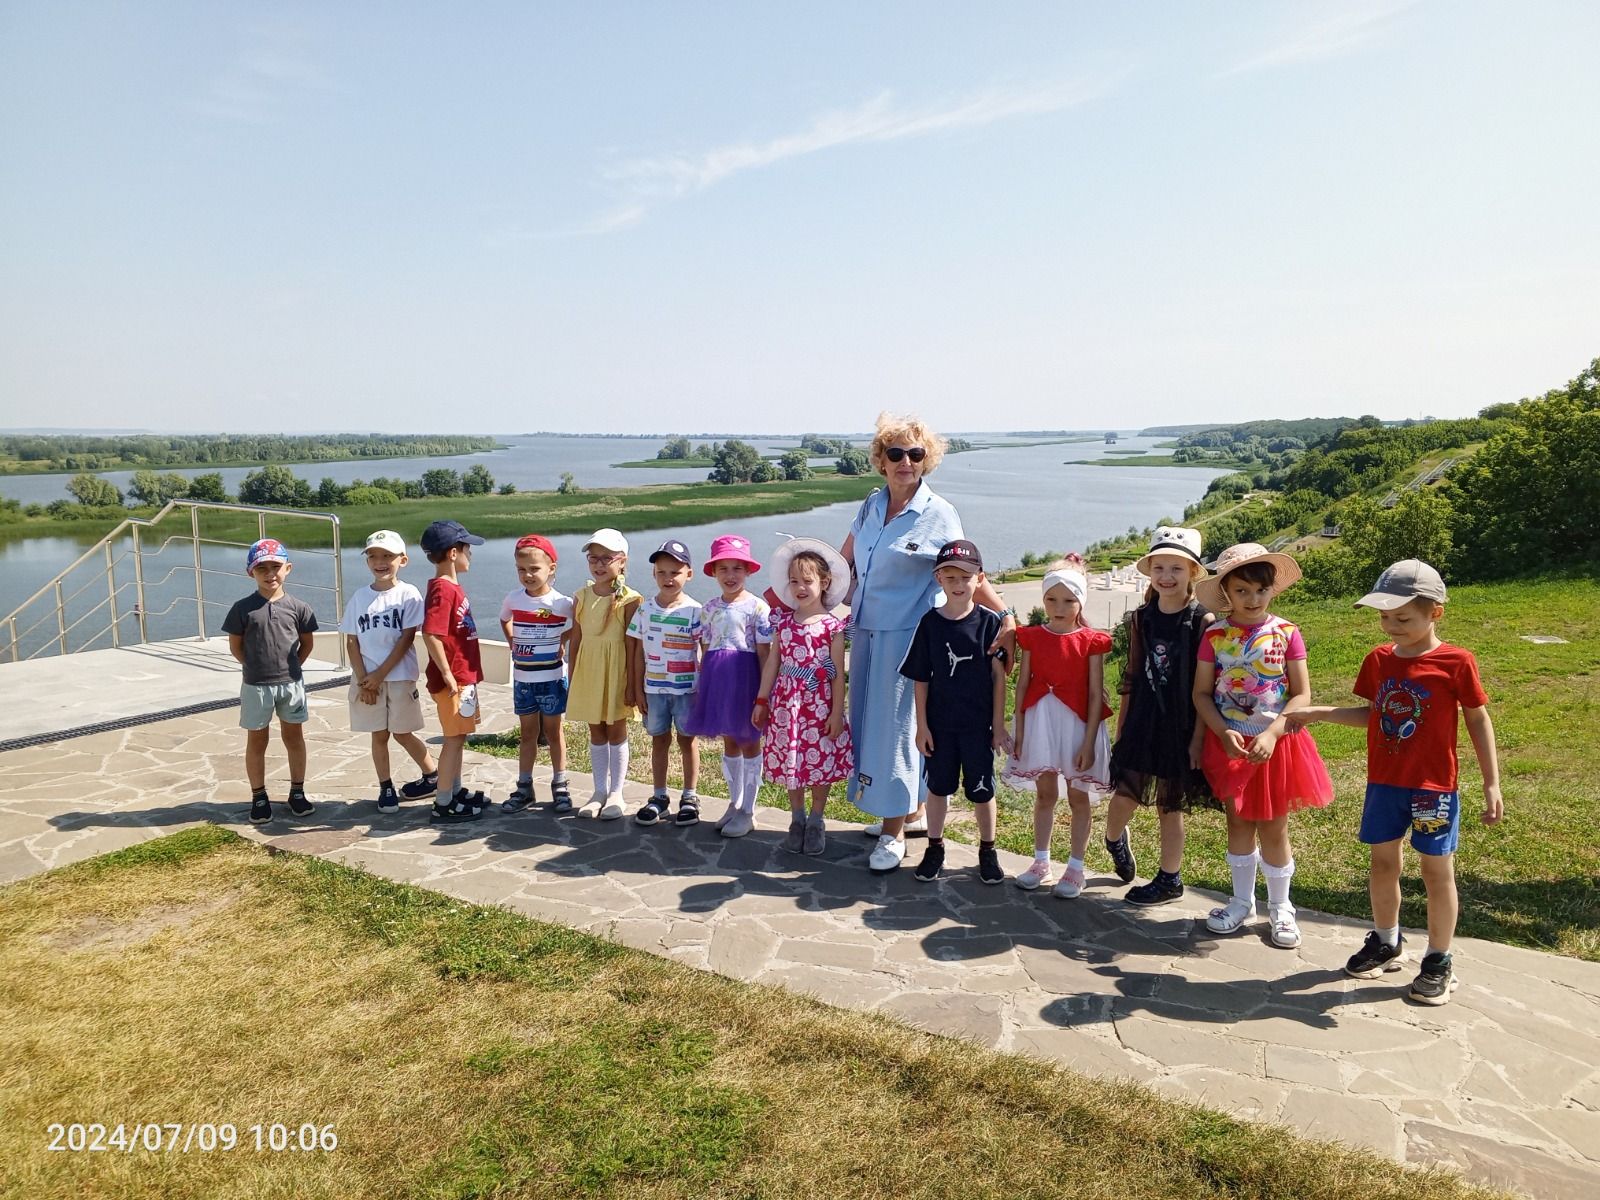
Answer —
1411 725
1058 665
447 615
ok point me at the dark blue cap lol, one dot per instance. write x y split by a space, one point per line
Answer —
673 548
441 535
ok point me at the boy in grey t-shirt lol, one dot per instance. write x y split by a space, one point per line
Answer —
269 633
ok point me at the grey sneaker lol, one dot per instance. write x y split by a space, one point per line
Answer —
794 841
739 824
816 838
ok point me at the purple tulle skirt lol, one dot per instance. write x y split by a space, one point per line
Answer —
724 694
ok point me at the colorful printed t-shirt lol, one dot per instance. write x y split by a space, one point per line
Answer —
1252 679
1411 725
669 636
447 615
538 623
377 619
1058 665
742 625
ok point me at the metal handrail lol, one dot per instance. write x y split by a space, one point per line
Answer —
106 548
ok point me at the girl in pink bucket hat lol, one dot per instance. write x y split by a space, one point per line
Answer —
736 628
1251 674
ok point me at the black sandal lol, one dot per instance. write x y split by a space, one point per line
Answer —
654 809
560 798
688 811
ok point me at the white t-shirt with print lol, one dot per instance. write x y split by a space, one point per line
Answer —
669 636
377 619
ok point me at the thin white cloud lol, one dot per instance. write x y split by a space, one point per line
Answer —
274 67
645 182
1333 37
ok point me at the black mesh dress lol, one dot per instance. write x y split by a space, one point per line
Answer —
1150 761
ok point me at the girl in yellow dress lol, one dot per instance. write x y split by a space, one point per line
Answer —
601 694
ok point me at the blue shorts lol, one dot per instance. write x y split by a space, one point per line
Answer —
548 696
664 710
1434 818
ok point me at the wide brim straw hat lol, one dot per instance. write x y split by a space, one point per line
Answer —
1209 591
1175 541
838 570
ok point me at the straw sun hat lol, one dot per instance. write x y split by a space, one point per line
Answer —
838 569
1209 591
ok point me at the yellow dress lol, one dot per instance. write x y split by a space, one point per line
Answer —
599 677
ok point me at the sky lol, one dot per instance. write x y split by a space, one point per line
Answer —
507 217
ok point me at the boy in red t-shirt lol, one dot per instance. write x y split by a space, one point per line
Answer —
454 666
1412 690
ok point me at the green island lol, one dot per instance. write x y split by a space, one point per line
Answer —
55 454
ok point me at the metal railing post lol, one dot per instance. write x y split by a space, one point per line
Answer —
111 595
138 588
338 591
199 586
61 617
261 525
12 623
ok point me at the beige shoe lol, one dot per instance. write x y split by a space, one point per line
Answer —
612 809
739 824
592 806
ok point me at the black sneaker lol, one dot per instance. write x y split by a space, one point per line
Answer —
654 809
388 800
260 809
1122 859
932 863
463 807
989 866
419 789
1435 981
299 805
1163 889
1375 957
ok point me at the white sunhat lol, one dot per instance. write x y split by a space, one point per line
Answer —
838 569
608 539
1176 541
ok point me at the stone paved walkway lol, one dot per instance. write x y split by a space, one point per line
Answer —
1504 1083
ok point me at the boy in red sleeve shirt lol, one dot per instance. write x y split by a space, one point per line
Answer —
454 665
1413 689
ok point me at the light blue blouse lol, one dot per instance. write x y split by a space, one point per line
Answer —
894 560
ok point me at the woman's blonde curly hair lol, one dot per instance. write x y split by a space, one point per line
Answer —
896 427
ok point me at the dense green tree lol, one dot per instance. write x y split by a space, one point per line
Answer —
208 487
766 471
568 485
508 489
93 492
734 462
677 448
441 481
330 493
794 465
1372 537
275 487
367 494
477 481
147 487
854 462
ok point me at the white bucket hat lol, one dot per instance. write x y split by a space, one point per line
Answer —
838 570
1209 591
1178 542
1073 581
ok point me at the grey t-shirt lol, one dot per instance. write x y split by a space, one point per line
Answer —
271 630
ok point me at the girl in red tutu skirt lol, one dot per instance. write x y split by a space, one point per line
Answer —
1251 673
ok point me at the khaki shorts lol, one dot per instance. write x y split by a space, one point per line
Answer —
451 722
398 710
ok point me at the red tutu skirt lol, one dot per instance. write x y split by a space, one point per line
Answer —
1293 778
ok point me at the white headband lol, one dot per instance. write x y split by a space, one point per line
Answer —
1073 581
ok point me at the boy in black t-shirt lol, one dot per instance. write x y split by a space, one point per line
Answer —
961 705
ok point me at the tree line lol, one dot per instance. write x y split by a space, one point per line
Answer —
30 453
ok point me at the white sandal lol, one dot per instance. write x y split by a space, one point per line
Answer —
1230 918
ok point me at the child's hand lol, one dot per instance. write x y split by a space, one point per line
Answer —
1083 761
759 714
1261 746
367 692
1233 742
1296 721
1002 739
835 726
1194 756
451 686
641 701
1493 807
924 742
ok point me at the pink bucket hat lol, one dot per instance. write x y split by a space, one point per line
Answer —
730 547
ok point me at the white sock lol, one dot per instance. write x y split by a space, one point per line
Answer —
1075 864
1243 867
752 783
733 772
1389 936
619 766
1278 882
600 767
1042 855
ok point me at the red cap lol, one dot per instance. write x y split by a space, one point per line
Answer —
535 541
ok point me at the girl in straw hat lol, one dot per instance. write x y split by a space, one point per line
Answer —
1251 674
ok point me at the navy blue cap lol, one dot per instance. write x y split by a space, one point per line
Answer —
441 535
960 553
673 548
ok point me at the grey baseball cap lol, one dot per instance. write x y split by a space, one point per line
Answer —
1405 581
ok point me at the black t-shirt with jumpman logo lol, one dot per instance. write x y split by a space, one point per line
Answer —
952 658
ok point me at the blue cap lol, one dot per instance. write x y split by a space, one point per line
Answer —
267 550
441 535
673 548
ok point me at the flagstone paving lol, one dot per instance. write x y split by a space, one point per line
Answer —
1503 1083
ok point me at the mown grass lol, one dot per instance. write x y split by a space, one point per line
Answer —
464 1052
1534 880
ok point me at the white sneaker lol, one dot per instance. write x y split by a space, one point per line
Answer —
914 826
1038 875
739 824
612 809
1230 918
1285 929
1071 885
888 855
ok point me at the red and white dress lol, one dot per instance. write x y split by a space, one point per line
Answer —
798 752
1056 710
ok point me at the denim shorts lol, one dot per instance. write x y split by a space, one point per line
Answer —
666 709
1434 818
258 701
548 696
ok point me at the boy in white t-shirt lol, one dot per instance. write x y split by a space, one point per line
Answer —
537 622
380 627
663 661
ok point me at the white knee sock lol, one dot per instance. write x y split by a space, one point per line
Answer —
619 766
752 782
733 772
600 767
1278 882
1243 867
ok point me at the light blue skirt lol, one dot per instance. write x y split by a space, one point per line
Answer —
883 724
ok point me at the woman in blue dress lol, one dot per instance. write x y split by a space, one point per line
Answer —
897 533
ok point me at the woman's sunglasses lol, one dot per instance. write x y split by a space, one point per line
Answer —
914 453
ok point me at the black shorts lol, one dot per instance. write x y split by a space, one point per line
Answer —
967 755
